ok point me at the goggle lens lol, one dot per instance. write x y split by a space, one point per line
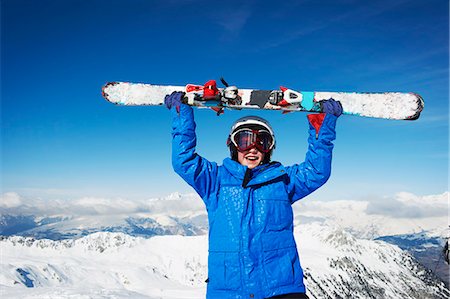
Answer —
246 139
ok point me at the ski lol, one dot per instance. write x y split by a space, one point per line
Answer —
387 105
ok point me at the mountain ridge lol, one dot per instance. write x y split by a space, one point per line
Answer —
335 263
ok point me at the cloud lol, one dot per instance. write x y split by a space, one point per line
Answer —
174 205
367 10
10 200
408 205
402 213
233 19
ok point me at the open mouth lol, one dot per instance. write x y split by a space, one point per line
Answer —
251 158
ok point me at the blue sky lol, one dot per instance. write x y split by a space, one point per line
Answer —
61 139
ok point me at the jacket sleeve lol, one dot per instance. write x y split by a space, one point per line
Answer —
195 170
308 176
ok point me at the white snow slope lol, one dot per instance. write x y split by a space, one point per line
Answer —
116 265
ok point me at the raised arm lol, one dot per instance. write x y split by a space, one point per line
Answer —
195 170
316 169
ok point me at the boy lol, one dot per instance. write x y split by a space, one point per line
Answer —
252 251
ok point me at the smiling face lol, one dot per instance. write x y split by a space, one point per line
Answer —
250 158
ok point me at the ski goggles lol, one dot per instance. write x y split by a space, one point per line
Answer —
245 139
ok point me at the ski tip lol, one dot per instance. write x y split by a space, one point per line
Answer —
420 106
105 87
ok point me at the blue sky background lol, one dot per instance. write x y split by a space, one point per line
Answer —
61 139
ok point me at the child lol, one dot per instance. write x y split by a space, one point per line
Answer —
252 251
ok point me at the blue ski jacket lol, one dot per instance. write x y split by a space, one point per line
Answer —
252 251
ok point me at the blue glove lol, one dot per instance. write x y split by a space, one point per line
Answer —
174 100
331 107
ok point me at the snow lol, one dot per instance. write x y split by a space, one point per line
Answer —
393 105
335 243
115 265
123 93
159 267
335 258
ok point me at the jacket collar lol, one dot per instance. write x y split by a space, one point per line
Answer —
260 174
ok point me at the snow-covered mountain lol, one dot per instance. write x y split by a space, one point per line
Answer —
342 245
417 224
428 250
61 228
106 265
175 214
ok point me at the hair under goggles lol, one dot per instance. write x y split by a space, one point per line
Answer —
245 139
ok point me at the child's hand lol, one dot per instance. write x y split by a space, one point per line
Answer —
331 107
174 100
